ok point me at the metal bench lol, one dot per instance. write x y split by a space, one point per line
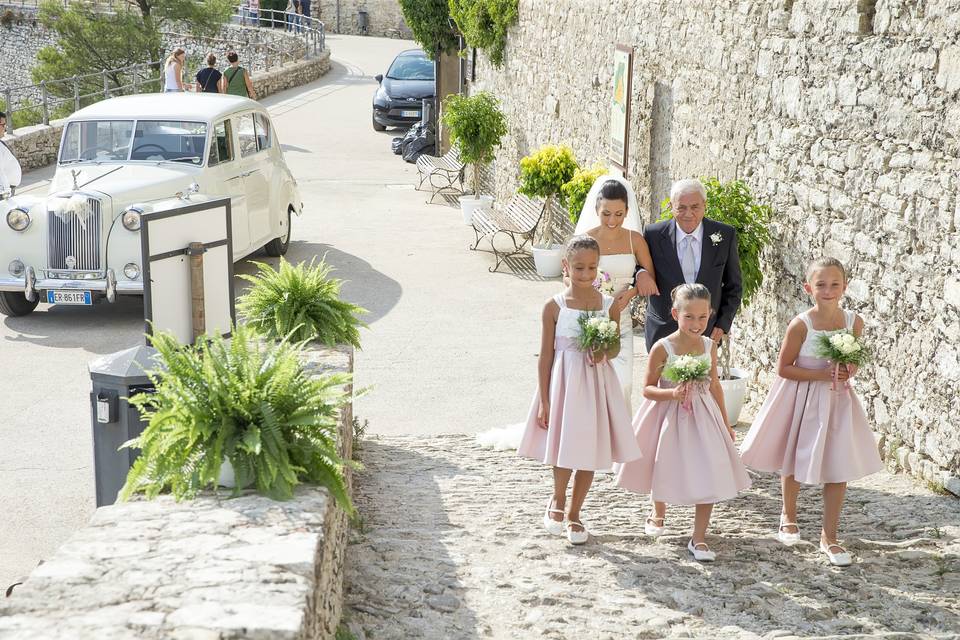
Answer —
442 172
518 221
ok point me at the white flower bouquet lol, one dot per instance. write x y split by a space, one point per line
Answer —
604 283
688 372
597 333
842 348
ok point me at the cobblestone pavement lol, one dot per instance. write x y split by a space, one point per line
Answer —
451 546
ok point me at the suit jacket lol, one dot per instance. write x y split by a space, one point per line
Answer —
719 272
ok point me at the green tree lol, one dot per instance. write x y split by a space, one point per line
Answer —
484 24
429 20
90 41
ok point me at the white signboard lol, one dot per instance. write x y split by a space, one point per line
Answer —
165 236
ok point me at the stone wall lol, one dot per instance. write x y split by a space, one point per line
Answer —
247 567
19 43
37 146
842 114
384 17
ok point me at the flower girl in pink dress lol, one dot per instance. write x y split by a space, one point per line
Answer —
811 428
579 418
688 451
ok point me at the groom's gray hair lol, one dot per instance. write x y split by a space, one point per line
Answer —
689 185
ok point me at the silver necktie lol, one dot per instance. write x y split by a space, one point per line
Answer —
688 261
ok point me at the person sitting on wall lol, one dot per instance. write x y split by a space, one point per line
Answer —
10 172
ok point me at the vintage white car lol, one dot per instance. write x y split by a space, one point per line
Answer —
127 156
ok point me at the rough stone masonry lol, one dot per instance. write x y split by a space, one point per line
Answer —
841 114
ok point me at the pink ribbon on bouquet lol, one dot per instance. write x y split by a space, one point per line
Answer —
687 402
836 373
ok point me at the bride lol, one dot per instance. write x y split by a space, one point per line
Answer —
611 216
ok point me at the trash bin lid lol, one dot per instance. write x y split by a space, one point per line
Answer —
127 366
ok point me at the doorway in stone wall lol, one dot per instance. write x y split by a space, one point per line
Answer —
661 131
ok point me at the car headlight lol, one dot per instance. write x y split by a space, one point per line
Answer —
131 270
131 218
18 219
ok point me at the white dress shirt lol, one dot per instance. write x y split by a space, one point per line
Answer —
697 247
10 174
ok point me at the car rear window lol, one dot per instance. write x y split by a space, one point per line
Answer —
411 68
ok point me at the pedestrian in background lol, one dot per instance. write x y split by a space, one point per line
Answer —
305 5
299 19
236 81
10 172
290 13
208 80
173 71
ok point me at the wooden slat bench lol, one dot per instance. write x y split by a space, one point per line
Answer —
518 221
442 172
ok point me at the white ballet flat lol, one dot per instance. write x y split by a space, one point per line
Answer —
577 537
701 554
839 559
553 527
651 529
786 537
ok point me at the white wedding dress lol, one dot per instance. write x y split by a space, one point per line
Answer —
621 267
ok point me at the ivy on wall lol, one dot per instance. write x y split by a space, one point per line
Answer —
429 20
484 24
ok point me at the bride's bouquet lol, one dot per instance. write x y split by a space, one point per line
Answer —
687 371
604 283
597 333
841 348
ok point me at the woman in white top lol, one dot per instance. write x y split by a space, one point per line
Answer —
173 71
611 216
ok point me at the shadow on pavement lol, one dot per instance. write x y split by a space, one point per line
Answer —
400 581
102 328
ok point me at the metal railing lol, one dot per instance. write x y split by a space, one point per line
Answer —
54 99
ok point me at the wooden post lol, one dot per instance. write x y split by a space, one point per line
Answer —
197 312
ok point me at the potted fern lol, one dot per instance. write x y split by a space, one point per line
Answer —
733 203
477 126
300 302
542 175
243 402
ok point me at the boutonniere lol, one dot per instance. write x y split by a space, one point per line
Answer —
717 238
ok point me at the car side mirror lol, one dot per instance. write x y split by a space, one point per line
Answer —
378 78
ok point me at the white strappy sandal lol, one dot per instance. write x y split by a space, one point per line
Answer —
701 552
841 558
650 526
554 527
786 537
577 537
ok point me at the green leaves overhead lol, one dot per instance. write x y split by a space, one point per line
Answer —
302 302
476 125
244 400
733 204
484 24
429 20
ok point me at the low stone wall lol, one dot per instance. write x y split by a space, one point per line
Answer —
37 146
214 567
384 17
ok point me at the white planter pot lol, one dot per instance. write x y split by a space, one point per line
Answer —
227 477
547 260
734 393
469 203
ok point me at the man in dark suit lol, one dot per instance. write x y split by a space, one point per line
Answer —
691 248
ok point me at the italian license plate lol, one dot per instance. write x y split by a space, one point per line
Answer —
69 297
409 114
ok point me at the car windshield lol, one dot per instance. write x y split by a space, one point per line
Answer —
121 140
415 67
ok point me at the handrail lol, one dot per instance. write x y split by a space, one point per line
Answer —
57 98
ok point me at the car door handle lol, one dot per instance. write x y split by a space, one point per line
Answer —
247 173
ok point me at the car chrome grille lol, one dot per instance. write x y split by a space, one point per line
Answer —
74 225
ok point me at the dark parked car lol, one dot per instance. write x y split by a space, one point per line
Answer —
409 80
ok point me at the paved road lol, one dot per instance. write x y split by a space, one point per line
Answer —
451 348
